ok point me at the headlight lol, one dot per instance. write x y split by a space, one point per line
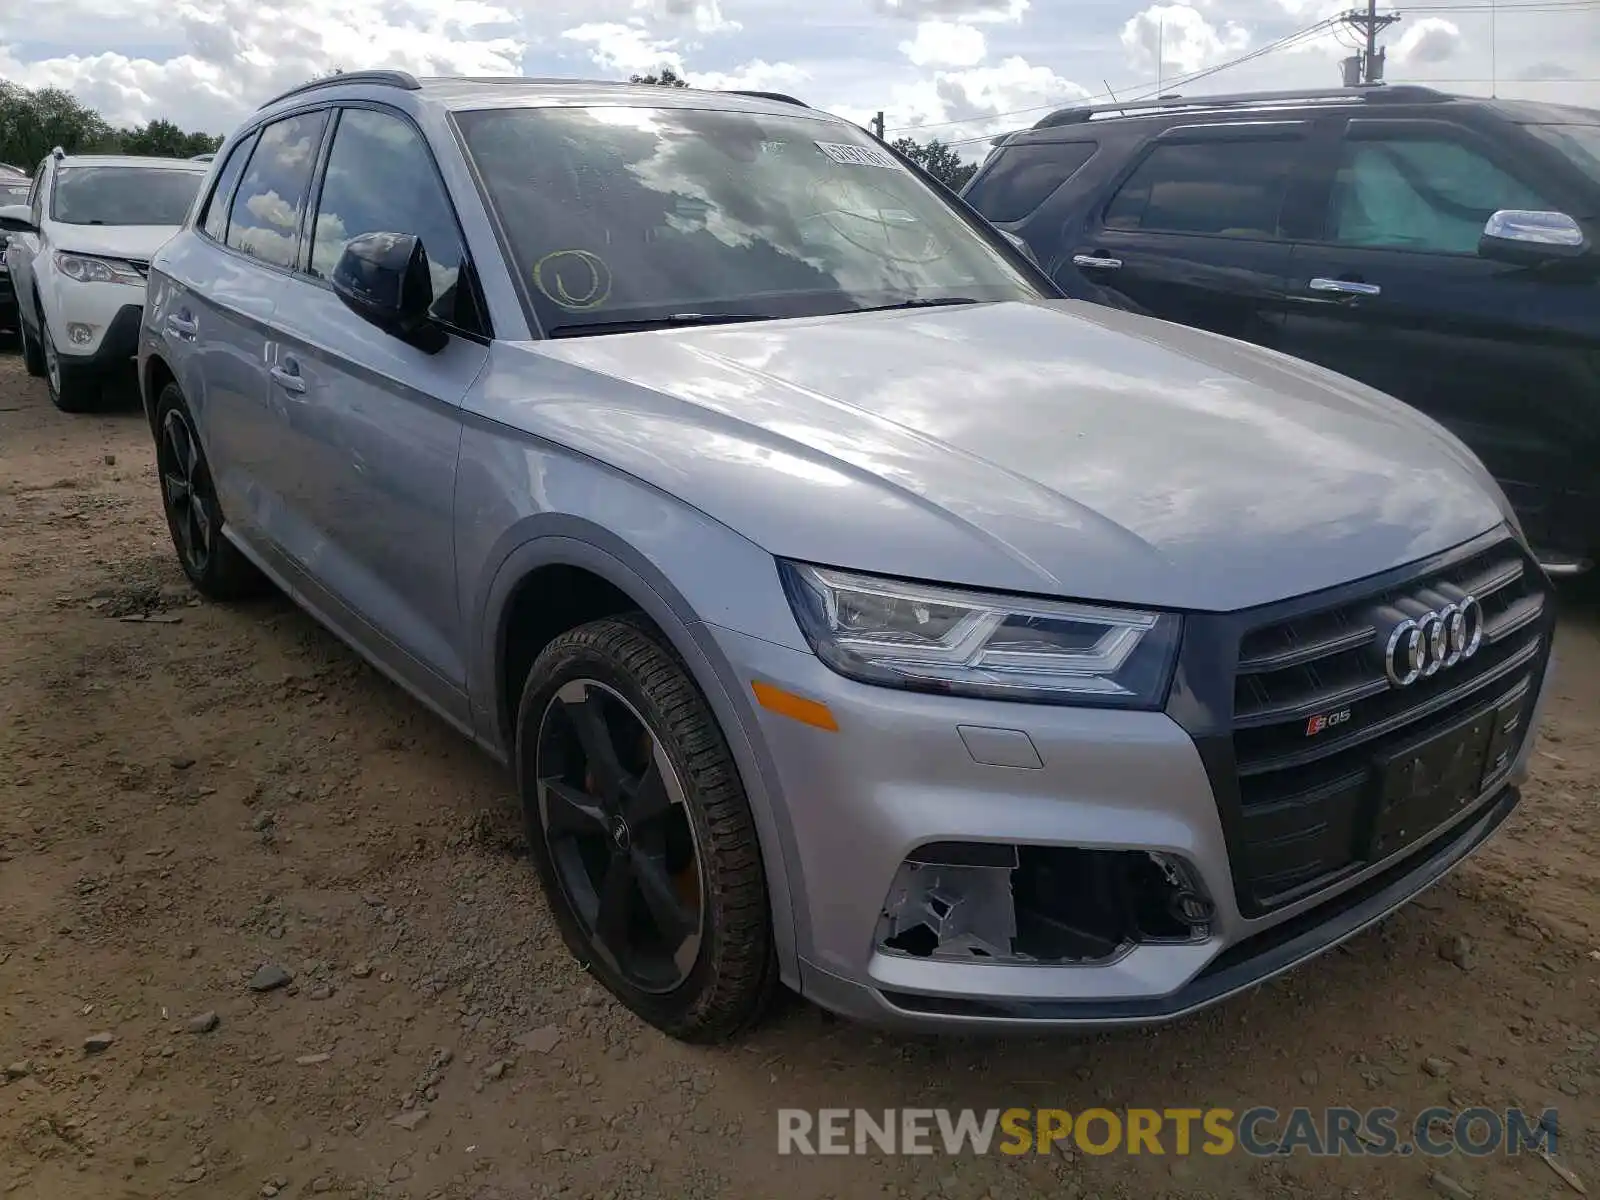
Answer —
935 639
86 269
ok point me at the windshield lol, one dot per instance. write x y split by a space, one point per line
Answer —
123 195
619 214
1580 143
14 191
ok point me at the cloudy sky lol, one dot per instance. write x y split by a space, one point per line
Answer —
957 69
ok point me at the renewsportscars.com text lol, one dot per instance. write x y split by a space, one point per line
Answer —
1260 1131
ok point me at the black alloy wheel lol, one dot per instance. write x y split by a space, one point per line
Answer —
641 831
218 569
615 819
186 492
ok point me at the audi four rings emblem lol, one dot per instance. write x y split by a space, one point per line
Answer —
1426 643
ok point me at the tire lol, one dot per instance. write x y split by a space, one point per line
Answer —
72 389
32 355
637 676
216 567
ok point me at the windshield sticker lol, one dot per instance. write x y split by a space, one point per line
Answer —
575 280
859 156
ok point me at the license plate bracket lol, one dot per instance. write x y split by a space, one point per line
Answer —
1423 785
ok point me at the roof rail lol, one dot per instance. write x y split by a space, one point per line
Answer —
778 96
1405 93
399 79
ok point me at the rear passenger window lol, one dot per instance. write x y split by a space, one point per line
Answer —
215 221
1232 189
264 218
1023 177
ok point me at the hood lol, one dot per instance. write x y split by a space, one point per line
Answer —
113 241
1057 448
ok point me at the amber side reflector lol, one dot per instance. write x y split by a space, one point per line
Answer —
807 712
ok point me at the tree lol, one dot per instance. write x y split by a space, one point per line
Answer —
666 77
938 160
34 123
165 139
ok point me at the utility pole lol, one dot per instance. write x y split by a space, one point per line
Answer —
877 126
1366 67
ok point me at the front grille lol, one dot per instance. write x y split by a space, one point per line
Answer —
1307 766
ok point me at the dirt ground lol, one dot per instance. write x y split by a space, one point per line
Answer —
189 792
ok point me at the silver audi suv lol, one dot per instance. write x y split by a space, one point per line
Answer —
855 612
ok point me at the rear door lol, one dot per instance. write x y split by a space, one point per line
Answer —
377 422
225 312
1391 291
1194 229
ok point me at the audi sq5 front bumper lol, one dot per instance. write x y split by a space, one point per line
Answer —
977 863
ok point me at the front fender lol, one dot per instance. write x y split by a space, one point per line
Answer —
555 539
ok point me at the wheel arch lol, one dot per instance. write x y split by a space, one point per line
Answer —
154 374
555 549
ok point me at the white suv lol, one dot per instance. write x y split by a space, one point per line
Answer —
78 255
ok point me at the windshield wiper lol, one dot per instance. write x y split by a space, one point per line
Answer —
642 324
929 302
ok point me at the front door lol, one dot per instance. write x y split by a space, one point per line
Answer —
377 422
1194 232
1394 293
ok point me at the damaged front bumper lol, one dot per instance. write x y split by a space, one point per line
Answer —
972 864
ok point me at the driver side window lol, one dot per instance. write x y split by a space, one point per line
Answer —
381 179
1429 194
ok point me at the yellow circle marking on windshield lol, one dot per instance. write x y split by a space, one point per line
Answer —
576 280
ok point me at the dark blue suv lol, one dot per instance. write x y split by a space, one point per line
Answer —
1439 248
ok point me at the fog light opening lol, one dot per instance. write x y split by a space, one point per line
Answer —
966 901
80 334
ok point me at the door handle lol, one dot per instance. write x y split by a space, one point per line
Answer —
289 381
1097 261
1345 287
181 326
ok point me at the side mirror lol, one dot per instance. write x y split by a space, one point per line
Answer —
1026 250
383 278
16 218
1529 239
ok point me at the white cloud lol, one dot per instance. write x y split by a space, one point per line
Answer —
1182 37
954 10
949 68
227 58
704 15
946 44
627 49
1430 40
759 76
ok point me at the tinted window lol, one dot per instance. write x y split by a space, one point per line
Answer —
381 179
265 216
1419 194
1022 178
1230 188
624 213
1580 143
215 222
85 195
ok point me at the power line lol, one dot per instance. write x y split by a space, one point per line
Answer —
1333 24
1300 35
